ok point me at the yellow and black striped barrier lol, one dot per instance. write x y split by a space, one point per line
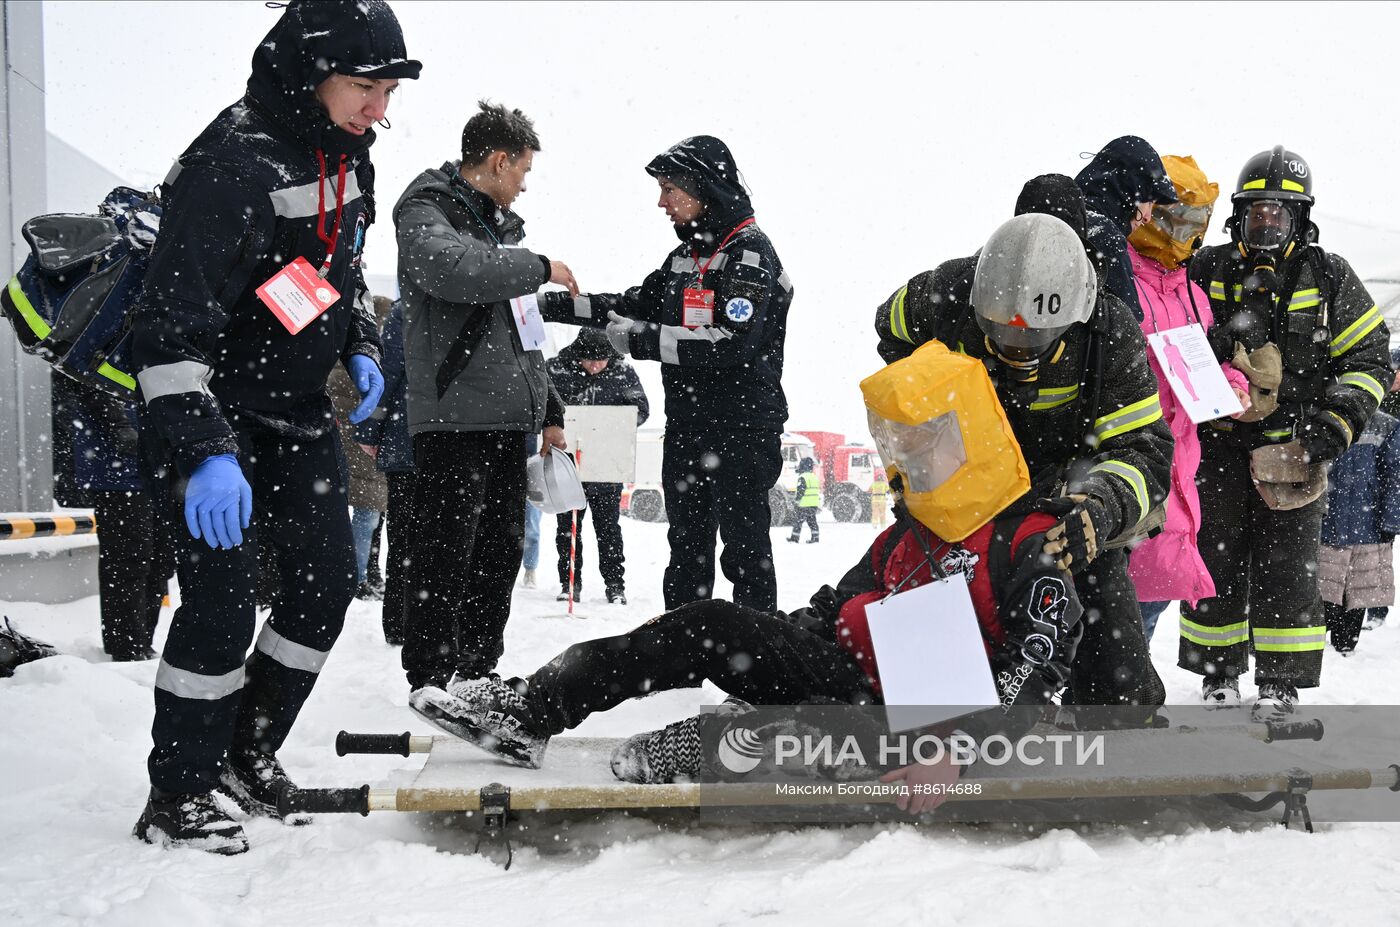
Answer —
17 527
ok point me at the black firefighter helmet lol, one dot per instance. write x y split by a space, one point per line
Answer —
1273 201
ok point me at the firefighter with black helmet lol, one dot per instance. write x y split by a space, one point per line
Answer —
1300 325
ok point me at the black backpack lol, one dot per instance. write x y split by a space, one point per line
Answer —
71 303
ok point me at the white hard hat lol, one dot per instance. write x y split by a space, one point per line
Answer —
552 484
1033 281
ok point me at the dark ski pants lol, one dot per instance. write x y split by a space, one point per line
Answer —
399 533
604 500
1112 665
469 511
751 655
1344 625
135 560
211 694
719 481
808 517
1264 564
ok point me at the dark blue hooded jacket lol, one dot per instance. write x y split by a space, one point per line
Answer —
1126 172
1363 494
725 375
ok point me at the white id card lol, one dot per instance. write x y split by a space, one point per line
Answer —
928 647
1193 373
525 312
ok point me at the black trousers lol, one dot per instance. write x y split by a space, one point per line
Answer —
1264 564
604 500
752 655
719 482
808 517
211 695
399 533
1113 665
135 560
469 511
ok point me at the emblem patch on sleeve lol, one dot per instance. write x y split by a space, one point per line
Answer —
738 309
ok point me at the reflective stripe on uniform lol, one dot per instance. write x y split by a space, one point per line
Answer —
583 307
1356 331
1363 381
37 325
171 379
785 282
289 653
686 265
304 201
1143 412
1224 636
898 327
116 376
750 258
1290 640
1279 433
673 335
1133 477
1053 397
1304 299
186 684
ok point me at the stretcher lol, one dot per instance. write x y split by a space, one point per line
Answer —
1228 763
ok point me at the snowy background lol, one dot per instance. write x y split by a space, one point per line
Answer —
878 140
74 733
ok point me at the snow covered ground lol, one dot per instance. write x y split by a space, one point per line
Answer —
74 737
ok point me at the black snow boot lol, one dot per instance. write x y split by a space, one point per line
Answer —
194 820
17 648
254 780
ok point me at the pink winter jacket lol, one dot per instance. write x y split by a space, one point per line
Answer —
1168 566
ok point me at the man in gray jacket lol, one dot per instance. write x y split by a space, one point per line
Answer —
475 390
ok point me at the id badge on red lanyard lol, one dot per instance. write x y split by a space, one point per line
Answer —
297 295
698 307
698 303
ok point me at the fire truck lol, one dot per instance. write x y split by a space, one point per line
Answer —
846 470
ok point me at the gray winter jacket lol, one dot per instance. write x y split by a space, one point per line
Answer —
459 258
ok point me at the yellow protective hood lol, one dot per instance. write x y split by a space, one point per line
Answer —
951 397
1193 189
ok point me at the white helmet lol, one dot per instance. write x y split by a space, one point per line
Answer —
1033 282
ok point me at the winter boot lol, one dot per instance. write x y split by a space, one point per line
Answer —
1375 618
17 648
616 596
529 581
563 595
661 755
194 820
814 539
135 656
254 781
1221 692
792 539
487 712
1277 701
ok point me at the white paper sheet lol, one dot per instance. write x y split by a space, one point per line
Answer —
604 439
1193 373
525 311
928 646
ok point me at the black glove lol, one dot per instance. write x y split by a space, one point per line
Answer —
1324 437
1076 538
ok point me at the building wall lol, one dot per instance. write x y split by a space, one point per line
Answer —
26 474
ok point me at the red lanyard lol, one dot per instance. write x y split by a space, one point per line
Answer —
329 240
696 258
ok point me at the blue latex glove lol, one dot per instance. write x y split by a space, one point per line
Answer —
369 381
218 502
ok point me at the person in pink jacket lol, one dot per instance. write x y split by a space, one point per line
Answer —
1167 567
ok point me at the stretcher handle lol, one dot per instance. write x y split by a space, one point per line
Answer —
1293 730
324 801
346 742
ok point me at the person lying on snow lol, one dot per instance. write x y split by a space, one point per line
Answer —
958 470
